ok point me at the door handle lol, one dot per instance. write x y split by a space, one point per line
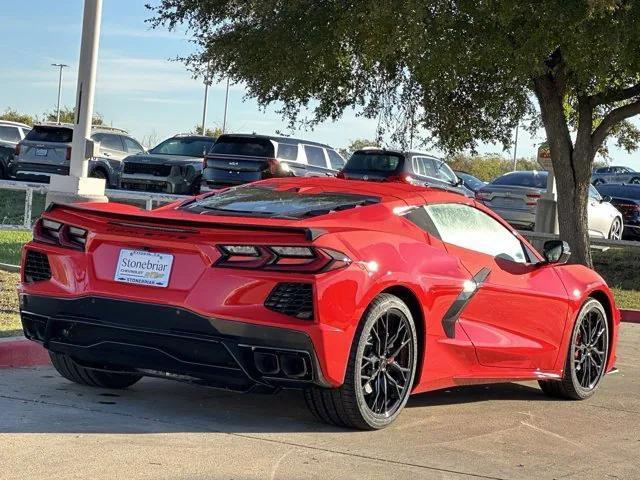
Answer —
106 154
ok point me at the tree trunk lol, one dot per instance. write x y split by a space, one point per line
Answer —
572 166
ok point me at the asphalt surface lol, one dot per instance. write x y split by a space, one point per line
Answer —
53 429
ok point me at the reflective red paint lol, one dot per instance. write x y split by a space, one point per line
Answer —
516 327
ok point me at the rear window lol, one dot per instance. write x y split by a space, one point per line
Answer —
268 202
9 134
523 179
251 147
373 162
50 134
184 146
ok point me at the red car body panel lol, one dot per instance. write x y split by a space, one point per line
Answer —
516 327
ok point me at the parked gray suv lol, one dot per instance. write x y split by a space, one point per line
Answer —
46 150
174 166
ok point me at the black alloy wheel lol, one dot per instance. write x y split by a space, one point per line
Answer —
587 356
380 372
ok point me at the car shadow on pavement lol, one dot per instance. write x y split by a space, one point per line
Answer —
478 393
38 400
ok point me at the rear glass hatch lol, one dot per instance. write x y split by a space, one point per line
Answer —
374 165
267 202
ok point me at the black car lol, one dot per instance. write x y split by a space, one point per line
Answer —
469 181
626 198
173 166
417 168
239 158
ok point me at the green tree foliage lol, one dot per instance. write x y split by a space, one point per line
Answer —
209 132
12 115
464 71
356 144
488 167
68 115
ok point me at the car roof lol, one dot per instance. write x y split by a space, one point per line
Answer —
9 123
94 128
284 140
405 153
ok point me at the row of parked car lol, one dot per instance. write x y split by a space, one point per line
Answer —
187 163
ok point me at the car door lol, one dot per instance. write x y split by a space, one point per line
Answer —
599 213
111 146
515 309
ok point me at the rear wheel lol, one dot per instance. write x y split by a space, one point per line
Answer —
86 376
587 356
380 371
615 233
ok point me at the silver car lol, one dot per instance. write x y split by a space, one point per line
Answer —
514 196
46 150
10 134
615 174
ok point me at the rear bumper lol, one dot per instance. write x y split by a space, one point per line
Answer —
159 340
520 218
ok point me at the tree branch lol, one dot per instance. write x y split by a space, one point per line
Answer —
615 95
613 117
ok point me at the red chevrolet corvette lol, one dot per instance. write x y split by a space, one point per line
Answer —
357 293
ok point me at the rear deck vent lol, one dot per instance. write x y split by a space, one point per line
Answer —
293 299
36 267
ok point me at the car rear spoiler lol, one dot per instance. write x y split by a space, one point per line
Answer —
145 221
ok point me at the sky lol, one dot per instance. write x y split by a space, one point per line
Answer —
140 89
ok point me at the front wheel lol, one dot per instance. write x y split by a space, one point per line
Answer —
380 372
587 356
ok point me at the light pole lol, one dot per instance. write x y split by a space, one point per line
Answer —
515 149
77 186
207 81
60 66
226 102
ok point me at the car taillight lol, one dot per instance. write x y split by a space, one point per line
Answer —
68 156
277 167
404 178
628 208
284 258
532 199
60 234
17 152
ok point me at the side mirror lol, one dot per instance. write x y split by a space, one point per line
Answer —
606 199
556 252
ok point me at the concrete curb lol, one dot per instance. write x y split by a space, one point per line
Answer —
9 268
20 352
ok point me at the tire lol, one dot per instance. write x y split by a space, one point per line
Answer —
615 232
356 403
581 381
195 187
86 376
100 173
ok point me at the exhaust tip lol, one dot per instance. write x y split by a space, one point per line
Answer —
293 366
266 363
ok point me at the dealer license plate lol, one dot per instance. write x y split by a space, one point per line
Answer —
144 268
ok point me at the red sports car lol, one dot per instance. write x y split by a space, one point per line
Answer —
358 293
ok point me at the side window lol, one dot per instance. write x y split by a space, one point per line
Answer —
455 222
287 151
109 141
132 146
426 167
25 131
9 134
444 172
593 193
336 161
315 156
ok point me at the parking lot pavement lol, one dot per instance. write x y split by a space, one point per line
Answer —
50 428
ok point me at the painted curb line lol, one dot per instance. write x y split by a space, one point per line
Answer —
630 316
20 352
